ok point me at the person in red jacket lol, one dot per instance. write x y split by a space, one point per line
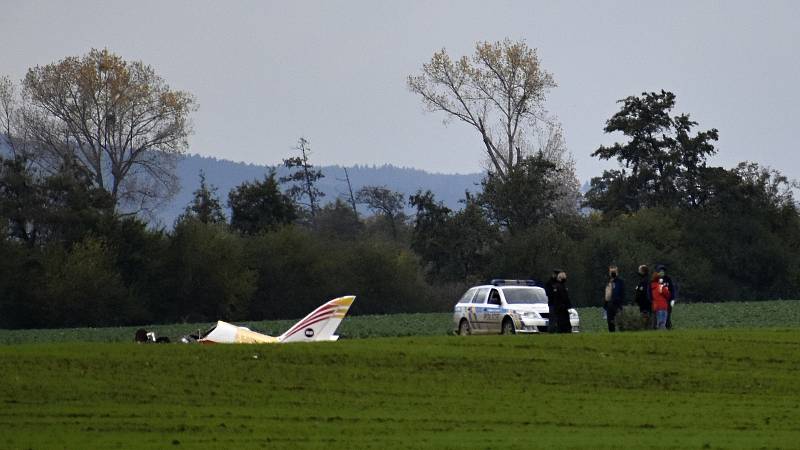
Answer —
660 295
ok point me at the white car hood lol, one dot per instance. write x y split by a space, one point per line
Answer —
526 307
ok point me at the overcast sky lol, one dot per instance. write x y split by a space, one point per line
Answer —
265 73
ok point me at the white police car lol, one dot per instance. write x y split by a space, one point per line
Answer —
505 307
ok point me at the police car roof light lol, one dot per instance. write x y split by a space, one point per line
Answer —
503 282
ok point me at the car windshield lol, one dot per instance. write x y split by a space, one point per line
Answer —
524 295
467 297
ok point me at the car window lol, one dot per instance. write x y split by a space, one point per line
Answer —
494 297
467 297
480 297
524 295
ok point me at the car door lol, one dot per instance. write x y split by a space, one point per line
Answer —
476 309
490 315
462 308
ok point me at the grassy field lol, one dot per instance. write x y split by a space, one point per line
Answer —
727 388
781 313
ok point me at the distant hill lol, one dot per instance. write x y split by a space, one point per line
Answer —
225 175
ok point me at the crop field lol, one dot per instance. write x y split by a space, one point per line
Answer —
726 377
780 313
724 388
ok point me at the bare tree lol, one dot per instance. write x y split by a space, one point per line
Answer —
7 106
116 120
351 199
12 133
500 91
553 148
303 178
385 202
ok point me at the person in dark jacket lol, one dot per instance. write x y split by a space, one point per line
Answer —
549 289
562 303
642 295
673 292
614 297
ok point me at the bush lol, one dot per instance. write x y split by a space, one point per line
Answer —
206 274
84 288
630 319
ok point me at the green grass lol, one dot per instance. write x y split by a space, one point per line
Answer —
780 313
681 389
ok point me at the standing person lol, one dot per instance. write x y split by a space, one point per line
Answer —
550 289
659 291
614 298
673 292
562 303
642 295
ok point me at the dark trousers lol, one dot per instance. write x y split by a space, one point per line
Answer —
669 316
564 326
611 314
646 317
552 320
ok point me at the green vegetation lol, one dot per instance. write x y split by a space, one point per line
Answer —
682 389
72 254
778 313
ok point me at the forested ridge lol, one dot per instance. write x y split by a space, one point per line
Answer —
225 175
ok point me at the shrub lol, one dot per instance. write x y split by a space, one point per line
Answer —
630 319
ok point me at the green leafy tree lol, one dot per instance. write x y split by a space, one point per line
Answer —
21 201
535 251
294 270
337 220
473 238
260 206
205 205
749 230
299 268
385 276
84 287
209 278
528 194
431 229
140 257
649 236
662 161
21 275
454 246
59 207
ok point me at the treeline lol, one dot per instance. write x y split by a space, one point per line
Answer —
69 258
80 176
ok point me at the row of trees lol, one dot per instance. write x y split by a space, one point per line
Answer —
70 259
73 253
728 234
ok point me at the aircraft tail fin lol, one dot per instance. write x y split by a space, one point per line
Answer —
321 324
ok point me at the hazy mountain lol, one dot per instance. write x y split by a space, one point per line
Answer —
225 175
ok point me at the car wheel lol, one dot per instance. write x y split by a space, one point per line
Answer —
463 328
508 327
